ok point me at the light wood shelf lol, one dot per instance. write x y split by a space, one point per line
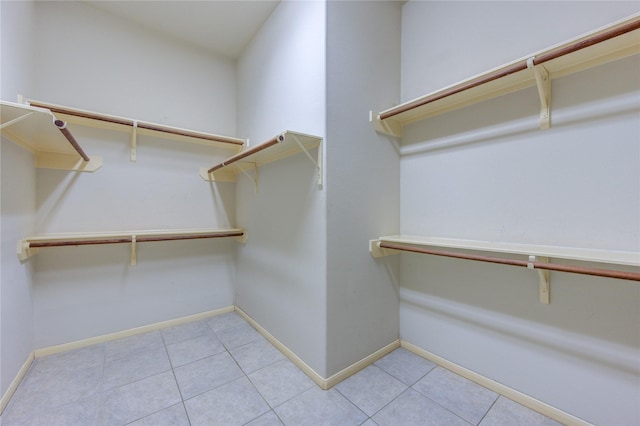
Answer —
30 245
36 130
538 256
139 127
281 146
612 42
555 252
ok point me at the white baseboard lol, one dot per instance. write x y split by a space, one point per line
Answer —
16 382
130 332
519 397
324 383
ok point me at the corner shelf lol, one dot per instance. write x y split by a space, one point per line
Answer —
30 245
538 256
281 146
41 132
612 42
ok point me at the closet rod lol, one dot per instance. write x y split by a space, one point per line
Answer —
131 123
139 239
520 66
248 152
62 126
633 276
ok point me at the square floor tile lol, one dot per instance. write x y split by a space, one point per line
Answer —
135 367
405 365
235 403
224 321
206 374
186 331
76 413
41 393
371 388
172 416
318 407
457 394
131 345
256 355
280 382
238 335
268 419
507 412
139 399
413 409
187 351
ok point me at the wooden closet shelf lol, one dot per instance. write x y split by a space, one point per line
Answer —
615 41
47 136
29 246
281 146
538 256
95 119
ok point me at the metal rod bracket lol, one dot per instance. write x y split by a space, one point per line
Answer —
389 127
377 251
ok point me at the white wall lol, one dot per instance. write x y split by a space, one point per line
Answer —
487 172
102 63
281 271
363 177
18 201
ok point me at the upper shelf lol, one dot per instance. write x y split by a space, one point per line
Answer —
615 41
284 145
41 132
139 127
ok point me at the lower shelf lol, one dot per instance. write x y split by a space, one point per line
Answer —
538 256
30 245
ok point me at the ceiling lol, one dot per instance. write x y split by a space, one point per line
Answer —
221 26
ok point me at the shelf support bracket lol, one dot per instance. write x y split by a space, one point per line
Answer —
544 287
253 178
543 83
377 251
134 259
316 163
389 127
134 140
24 251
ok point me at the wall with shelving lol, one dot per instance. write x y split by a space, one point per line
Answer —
363 177
281 270
486 172
104 63
17 205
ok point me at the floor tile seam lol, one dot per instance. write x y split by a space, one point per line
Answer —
261 368
273 407
210 333
442 406
487 412
210 389
134 353
151 414
399 379
380 409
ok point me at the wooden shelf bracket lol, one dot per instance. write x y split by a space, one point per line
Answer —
543 83
544 288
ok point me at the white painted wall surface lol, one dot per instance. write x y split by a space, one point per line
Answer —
281 271
18 197
486 172
100 62
363 177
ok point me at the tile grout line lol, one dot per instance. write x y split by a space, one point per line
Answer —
173 371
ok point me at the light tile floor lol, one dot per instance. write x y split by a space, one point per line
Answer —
221 371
